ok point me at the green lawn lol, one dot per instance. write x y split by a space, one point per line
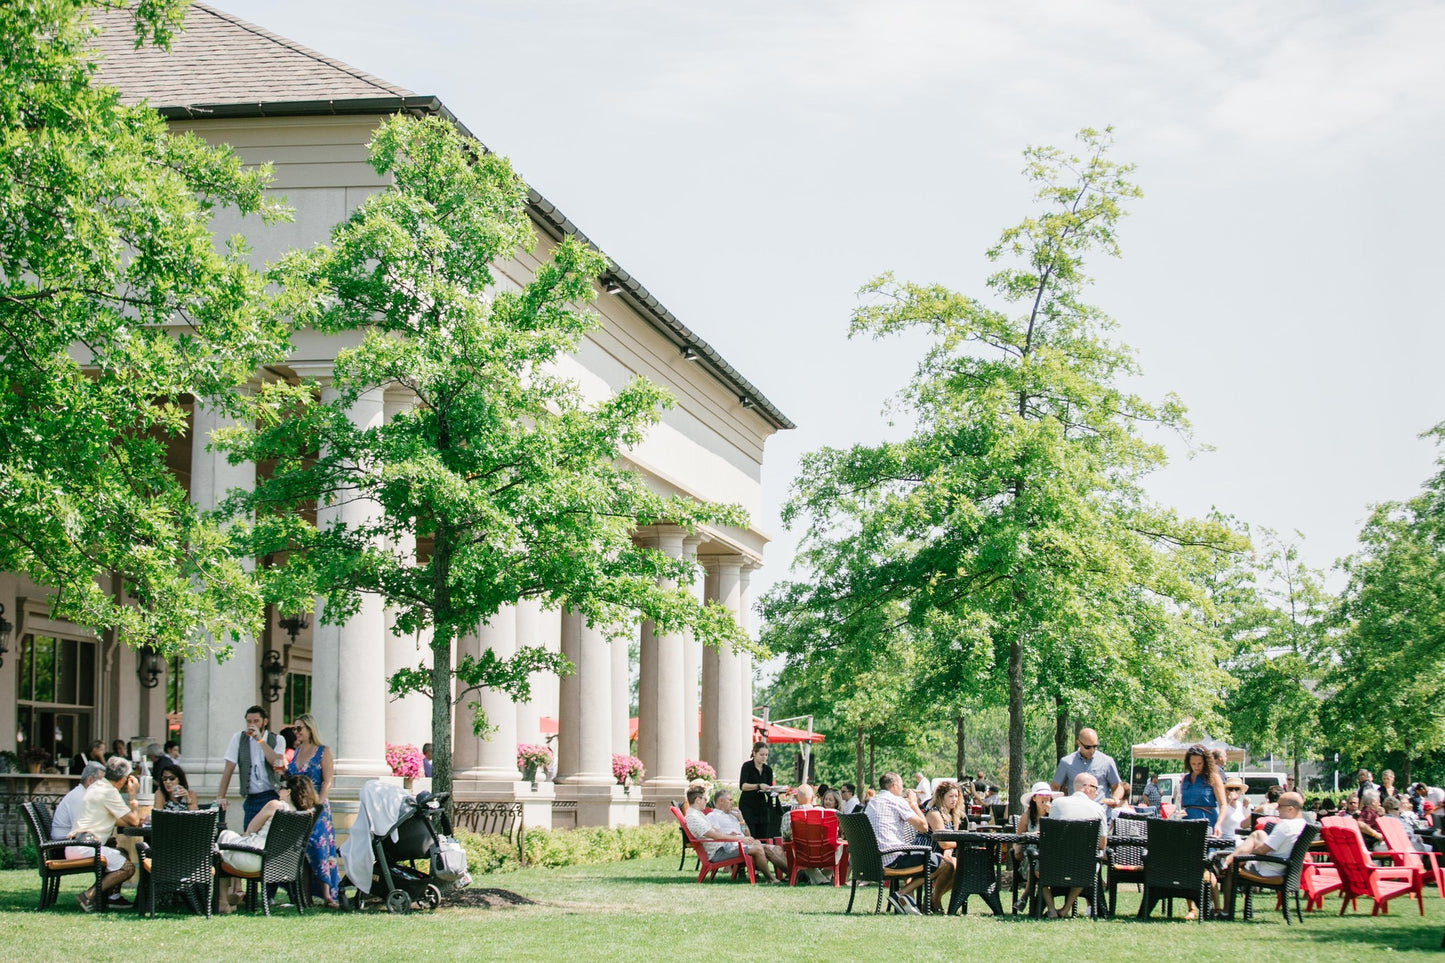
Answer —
645 910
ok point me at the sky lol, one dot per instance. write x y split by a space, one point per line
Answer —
754 164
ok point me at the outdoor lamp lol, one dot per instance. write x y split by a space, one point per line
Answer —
611 285
5 628
689 353
273 674
149 666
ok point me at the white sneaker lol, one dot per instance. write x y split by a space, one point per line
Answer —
905 904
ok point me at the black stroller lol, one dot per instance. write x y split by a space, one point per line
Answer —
395 836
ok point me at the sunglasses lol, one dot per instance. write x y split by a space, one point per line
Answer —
1085 745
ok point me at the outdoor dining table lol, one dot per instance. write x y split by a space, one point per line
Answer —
979 864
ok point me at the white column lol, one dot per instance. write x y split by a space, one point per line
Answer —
692 665
546 686
585 743
529 634
661 721
348 662
408 719
216 695
497 752
723 726
621 679
466 747
745 659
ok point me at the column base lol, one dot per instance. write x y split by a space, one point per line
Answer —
602 805
664 791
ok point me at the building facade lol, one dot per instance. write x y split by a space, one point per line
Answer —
311 117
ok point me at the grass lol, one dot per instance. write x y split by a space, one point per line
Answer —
645 910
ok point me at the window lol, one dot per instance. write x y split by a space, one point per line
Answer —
298 695
56 695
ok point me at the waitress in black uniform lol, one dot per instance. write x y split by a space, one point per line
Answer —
754 799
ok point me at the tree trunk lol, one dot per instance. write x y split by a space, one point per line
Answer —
441 667
858 751
960 761
1015 723
1061 727
871 756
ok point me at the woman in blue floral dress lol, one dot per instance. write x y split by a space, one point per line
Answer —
314 761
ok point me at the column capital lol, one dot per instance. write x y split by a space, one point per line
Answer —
318 371
668 539
726 561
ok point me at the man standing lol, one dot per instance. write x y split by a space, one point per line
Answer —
101 811
1087 758
923 787
1078 806
62 824
1279 841
1365 780
897 820
1152 795
849 796
259 755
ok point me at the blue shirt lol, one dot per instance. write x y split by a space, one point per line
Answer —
1101 767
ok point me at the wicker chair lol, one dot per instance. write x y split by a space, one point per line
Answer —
865 861
50 857
1283 885
1068 859
1175 863
179 860
1126 854
283 861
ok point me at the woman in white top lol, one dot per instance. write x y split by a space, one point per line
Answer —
302 796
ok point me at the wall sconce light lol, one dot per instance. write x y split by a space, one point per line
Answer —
149 667
746 402
611 285
5 628
689 353
273 675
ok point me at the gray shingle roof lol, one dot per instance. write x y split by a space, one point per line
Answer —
221 66
220 59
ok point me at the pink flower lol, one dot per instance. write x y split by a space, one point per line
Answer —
625 766
404 760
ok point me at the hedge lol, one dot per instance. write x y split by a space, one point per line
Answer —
568 847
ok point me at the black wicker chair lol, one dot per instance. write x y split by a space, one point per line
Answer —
1127 845
50 856
865 861
1285 885
179 860
283 862
1068 859
1175 864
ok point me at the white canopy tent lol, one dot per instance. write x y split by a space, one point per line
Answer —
1176 742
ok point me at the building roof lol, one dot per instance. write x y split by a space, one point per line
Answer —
221 66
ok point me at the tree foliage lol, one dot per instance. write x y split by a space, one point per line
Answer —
1010 529
503 473
115 308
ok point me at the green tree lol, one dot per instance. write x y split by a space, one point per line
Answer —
115 306
1012 519
502 472
1388 693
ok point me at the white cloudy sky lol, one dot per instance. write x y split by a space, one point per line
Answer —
755 163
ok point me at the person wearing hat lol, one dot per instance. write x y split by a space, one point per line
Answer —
1236 809
1036 803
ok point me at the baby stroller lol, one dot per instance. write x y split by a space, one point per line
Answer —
393 833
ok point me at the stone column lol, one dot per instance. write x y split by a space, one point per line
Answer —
529 633
745 659
495 769
662 719
724 730
584 771
692 664
348 662
216 695
620 720
408 720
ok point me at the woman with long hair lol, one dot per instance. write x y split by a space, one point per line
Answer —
313 760
173 792
300 795
1201 791
945 812
1036 803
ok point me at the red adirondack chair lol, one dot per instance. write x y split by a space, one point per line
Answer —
708 867
1360 876
815 845
1401 853
1316 881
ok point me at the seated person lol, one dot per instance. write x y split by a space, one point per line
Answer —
831 800
1236 810
1079 806
1369 814
1270 806
1036 803
101 810
173 792
1279 841
944 812
847 799
62 824
302 796
897 820
804 795
720 838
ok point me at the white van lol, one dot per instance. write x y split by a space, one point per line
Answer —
1256 785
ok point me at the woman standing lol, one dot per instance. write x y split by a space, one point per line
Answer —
1201 791
313 760
755 783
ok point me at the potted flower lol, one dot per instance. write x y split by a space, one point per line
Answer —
627 769
405 761
531 758
698 769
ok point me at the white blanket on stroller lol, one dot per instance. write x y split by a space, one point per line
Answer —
383 807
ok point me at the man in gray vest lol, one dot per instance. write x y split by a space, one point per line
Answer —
261 758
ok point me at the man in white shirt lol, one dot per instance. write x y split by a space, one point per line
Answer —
1080 806
101 811
897 820
721 831
1278 841
260 756
804 795
923 788
849 795
62 824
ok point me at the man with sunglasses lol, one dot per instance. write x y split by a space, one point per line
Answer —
1088 759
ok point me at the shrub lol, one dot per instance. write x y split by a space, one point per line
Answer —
554 848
